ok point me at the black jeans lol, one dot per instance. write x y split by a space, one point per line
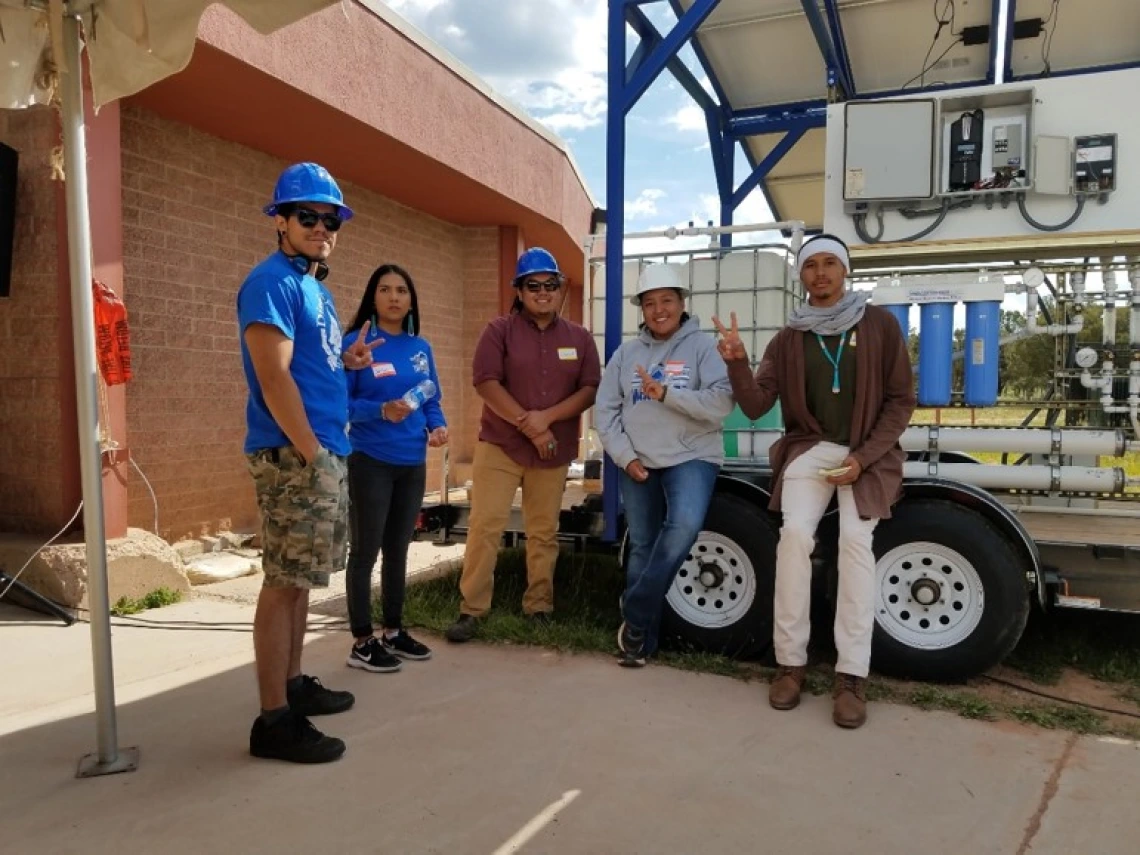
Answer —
384 501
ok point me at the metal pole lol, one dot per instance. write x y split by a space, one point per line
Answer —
615 218
108 759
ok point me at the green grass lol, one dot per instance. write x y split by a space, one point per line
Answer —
154 600
587 587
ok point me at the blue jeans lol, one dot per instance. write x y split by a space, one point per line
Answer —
664 515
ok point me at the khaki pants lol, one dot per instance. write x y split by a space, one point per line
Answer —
805 499
495 478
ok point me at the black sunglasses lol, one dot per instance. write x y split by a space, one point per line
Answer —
548 285
308 218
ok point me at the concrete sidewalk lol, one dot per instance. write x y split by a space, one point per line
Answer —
492 750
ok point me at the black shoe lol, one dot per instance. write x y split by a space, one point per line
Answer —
631 643
373 656
463 629
541 620
405 646
294 739
314 699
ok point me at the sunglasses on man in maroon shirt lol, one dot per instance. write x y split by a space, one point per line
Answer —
548 285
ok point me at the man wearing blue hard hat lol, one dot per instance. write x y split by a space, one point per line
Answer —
536 373
296 417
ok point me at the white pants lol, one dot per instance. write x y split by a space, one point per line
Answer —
805 499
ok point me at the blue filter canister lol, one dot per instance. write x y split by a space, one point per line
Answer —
983 330
902 315
935 353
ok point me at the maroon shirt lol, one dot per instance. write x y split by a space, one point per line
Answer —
539 368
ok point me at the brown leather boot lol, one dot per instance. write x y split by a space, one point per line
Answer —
784 693
850 696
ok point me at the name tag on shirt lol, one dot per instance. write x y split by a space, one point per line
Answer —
568 354
383 369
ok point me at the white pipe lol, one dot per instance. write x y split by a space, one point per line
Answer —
1134 280
1033 327
1077 283
794 226
1109 276
1015 440
1079 479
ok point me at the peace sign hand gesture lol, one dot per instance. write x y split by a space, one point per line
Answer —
359 354
651 388
729 346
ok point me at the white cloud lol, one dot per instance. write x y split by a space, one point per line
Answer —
688 118
645 205
549 56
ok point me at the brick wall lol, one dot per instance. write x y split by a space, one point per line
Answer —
192 229
33 355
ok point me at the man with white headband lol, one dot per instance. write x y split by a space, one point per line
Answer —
842 374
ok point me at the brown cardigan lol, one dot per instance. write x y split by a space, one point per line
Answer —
884 402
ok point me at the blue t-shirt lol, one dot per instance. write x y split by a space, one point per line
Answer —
398 364
275 293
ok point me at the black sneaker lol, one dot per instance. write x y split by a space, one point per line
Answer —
294 739
314 699
405 646
631 643
373 656
463 629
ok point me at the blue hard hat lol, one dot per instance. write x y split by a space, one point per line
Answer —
308 182
536 260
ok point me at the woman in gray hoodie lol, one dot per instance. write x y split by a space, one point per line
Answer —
659 413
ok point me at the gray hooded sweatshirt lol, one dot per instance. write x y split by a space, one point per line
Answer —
687 425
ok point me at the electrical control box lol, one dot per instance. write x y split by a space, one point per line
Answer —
1007 147
1094 164
889 151
966 150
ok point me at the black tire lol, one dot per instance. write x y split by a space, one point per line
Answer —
738 548
933 526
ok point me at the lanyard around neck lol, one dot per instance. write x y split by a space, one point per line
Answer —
833 359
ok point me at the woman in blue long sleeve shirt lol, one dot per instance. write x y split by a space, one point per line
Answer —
387 467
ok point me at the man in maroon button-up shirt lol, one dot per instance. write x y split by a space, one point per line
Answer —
536 373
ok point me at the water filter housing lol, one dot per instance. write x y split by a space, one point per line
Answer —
935 354
983 343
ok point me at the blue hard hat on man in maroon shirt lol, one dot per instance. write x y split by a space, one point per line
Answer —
535 260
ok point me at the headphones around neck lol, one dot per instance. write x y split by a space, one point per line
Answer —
302 264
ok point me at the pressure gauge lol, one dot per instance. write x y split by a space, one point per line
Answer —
1086 357
1033 277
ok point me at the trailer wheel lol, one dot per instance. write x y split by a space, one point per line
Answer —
721 599
950 595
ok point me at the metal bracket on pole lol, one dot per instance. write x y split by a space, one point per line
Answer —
109 759
826 48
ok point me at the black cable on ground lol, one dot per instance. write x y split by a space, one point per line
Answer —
1058 698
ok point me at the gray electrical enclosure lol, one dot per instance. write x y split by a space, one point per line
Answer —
889 150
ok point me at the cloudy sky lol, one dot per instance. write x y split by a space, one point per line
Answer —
549 56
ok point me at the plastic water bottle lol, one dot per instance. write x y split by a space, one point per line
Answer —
418 394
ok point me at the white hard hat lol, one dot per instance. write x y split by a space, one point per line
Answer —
654 276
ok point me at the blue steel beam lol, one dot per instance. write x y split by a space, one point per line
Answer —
766 165
835 23
826 48
650 39
659 58
702 58
615 217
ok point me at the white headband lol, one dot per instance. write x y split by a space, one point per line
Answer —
823 244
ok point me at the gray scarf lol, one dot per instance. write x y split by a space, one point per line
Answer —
831 320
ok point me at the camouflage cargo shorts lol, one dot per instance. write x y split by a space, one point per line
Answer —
304 516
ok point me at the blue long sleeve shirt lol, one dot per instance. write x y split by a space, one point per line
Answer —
398 364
